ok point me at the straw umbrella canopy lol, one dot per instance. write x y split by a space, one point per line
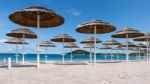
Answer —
37 17
111 42
22 33
130 44
29 16
90 40
127 32
141 45
16 41
89 46
71 46
95 27
46 44
63 38
119 47
145 38
105 47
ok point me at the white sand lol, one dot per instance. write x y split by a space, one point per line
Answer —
102 73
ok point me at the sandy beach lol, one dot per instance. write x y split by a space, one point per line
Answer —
102 73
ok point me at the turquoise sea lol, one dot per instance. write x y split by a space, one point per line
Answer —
57 57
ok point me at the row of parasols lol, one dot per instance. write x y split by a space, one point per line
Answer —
41 17
89 44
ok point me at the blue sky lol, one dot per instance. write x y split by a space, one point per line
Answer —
121 13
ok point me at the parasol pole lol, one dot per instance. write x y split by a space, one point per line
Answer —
144 53
71 55
111 55
63 52
148 52
105 56
147 49
95 45
117 54
127 55
38 37
4 60
90 55
23 53
16 53
46 55
143 50
139 55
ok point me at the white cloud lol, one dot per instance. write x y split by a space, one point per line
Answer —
74 12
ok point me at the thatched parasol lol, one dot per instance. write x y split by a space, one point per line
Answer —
16 41
71 46
136 51
130 44
111 42
95 27
118 47
63 38
100 26
127 32
46 44
105 47
145 38
37 17
90 40
90 46
29 16
140 47
22 33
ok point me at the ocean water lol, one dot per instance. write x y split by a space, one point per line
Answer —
57 57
